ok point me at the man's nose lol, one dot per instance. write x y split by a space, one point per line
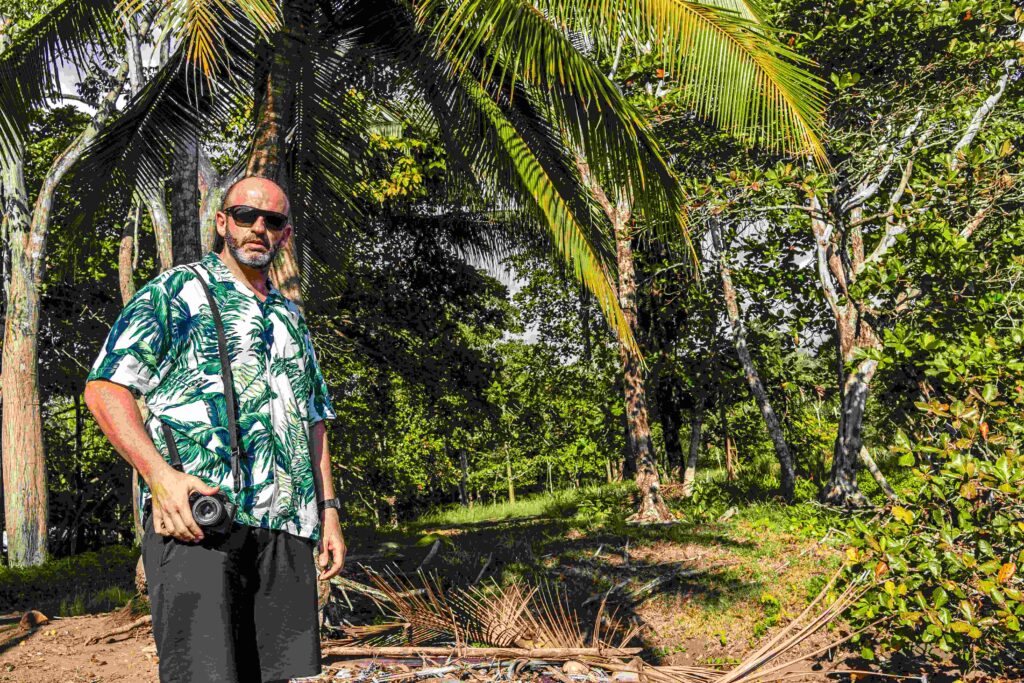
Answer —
260 224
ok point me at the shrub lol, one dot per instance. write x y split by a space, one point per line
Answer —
91 581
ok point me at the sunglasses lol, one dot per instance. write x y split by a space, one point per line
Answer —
245 216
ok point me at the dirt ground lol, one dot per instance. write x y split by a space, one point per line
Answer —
57 651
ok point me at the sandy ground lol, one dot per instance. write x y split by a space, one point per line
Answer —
58 651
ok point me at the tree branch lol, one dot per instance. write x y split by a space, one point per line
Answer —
868 190
986 107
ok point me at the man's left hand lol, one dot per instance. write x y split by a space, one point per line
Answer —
332 545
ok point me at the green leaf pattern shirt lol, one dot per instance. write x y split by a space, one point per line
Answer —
163 346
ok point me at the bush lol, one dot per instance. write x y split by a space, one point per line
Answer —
93 581
947 556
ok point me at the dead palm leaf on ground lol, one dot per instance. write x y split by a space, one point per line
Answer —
531 619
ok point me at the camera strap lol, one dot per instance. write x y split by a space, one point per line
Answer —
229 395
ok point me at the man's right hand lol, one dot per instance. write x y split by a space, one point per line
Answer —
172 514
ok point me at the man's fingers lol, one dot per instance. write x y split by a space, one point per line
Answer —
203 488
181 529
322 557
337 556
191 525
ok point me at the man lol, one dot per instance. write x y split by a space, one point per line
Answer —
241 605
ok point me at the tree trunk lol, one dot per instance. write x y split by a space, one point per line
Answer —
787 473
880 479
126 258
652 506
464 481
24 464
508 477
585 326
730 465
185 200
842 486
667 391
690 476
273 119
211 194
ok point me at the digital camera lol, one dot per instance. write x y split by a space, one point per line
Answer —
214 514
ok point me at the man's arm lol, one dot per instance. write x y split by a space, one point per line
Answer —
118 416
332 543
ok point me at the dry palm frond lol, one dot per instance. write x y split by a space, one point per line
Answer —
500 616
541 621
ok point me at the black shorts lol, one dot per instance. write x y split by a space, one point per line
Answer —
238 609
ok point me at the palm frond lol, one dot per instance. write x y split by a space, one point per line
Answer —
722 55
202 26
30 67
515 167
131 155
503 42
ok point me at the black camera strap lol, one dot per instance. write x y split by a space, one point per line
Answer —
229 395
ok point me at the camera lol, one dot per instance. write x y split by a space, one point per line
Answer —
214 514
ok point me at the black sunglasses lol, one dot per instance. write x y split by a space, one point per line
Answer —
246 216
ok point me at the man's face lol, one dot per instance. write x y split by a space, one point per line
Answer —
254 244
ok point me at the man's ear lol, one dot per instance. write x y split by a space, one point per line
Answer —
286 236
220 220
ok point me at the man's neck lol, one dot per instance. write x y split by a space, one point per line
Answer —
256 278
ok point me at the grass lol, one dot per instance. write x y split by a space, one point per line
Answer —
90 582
103 600
536 505
739 576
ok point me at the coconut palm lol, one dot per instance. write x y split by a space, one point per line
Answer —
530 124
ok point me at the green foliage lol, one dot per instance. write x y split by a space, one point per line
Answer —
96 580
947 555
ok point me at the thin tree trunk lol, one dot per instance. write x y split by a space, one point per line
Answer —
667 391
126 258
652 506
464 481
273 119
211 194
508 477
696 423
883 483
730 465
787 473
185 200
585 326
24 465
842 486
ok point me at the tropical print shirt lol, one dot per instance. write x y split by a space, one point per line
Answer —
163 346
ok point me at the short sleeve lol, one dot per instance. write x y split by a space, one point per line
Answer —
319 399
139 340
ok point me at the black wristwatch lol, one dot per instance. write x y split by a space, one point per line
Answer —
329 503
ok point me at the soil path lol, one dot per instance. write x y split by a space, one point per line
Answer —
58 652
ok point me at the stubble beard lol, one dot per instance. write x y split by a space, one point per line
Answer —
258 261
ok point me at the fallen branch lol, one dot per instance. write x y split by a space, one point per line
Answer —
141 621
553 653
487 565
430 556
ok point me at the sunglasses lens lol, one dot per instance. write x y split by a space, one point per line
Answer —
244 215
273 221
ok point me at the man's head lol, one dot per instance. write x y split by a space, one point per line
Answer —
253 222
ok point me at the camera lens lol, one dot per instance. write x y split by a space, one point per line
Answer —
207 511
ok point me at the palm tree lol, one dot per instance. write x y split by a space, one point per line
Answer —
501 82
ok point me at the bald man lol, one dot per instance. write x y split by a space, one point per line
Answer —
233 600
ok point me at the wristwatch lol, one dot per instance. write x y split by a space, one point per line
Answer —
329 503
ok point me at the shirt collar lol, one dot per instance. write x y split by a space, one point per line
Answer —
221 272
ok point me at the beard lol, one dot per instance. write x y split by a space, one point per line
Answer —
259 261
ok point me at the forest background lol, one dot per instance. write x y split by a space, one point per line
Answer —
840 334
